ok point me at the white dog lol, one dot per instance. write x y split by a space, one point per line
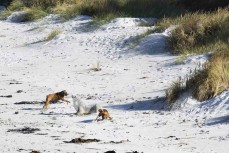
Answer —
83 109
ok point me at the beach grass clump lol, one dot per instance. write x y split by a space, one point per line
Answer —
205 82
34 14
212 79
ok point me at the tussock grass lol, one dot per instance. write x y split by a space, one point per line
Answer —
212 79
205 82
66 11
34 14
199 32
52 34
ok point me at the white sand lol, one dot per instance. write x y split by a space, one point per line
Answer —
130 85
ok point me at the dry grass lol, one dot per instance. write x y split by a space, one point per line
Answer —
99 8
198 32
52 35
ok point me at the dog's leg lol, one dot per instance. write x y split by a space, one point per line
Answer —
65 100
97 118
46 103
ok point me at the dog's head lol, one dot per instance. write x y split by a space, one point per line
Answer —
100 110
64 93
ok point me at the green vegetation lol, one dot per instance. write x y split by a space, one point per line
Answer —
4 14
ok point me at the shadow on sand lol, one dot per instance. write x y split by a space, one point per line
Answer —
57 114
218 120
152 104
86 121
29 102
31 109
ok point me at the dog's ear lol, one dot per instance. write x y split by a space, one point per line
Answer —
64 92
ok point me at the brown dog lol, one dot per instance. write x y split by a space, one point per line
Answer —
104 113
55 97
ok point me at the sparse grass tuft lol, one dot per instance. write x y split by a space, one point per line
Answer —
174 91
52 34
136 40
4 14
97 67
180 59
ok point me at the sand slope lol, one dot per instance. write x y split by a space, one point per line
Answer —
130 85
